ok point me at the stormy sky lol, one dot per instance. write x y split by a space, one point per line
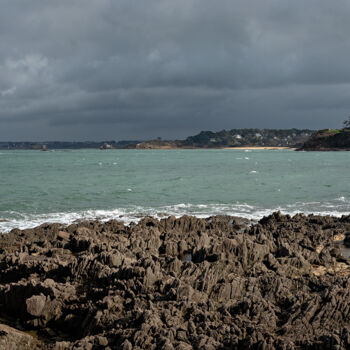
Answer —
132 69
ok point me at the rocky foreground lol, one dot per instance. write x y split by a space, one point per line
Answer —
182 284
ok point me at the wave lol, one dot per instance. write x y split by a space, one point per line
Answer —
135 213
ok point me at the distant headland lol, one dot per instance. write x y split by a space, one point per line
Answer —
291 138
235 138
299 139
328 140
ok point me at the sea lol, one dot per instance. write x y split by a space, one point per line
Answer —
68 185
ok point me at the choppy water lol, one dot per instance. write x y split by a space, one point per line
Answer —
63 186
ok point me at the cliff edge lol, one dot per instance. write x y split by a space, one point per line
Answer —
328 140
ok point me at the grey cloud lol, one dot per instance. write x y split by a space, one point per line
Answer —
94 69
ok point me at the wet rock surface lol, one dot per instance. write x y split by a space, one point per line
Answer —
186 283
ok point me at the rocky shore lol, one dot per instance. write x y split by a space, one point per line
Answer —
187 283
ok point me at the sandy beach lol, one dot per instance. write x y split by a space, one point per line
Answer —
259 148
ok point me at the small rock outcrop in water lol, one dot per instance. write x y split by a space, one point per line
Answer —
106 146
184 283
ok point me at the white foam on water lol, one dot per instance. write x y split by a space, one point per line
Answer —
135 213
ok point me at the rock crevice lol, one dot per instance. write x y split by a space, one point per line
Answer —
187 283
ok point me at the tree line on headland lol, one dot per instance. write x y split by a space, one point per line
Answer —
330 139
204 139
302 139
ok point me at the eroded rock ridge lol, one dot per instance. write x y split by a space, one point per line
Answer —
186 283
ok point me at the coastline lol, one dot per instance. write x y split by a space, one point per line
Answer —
260 148
217 148
176 281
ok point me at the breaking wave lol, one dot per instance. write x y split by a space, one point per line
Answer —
12 219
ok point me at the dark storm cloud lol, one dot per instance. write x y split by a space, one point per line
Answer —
103 69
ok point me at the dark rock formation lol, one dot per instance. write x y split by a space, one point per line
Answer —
183 283
159 144
106 146
13 339
328 140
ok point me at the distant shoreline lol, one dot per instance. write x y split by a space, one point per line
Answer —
218 148
160 148
261 148
233 138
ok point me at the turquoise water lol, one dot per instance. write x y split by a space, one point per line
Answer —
62 186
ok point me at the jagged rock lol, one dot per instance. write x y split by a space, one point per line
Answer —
64 236
126 345
185 283
13 339
36 304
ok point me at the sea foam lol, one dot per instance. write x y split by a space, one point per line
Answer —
135 213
